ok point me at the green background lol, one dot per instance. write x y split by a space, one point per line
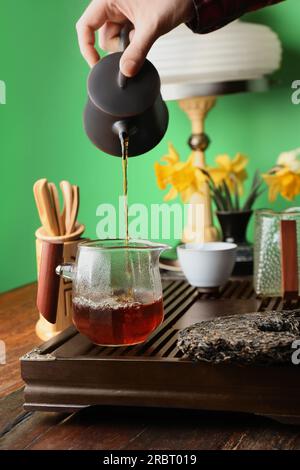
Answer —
41 131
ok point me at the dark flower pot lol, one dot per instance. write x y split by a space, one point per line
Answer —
234 225
234 228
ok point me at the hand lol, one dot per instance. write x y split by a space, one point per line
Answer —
149 19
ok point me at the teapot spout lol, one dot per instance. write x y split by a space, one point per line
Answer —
121 129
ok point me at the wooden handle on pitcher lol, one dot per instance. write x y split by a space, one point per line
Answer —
289 259
48 282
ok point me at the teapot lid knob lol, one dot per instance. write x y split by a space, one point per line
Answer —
136 97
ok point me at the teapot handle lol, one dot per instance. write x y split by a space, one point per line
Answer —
124 36
124 42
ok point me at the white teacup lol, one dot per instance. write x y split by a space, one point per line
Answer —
207 265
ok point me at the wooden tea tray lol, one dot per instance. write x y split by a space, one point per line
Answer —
69 372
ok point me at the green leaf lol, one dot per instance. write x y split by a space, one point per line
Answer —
228 197
236 196
254 191
217 196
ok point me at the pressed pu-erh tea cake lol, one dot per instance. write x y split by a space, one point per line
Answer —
257 338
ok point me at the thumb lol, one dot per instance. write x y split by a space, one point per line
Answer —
135 54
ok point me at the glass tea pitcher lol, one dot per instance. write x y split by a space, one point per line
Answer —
117 292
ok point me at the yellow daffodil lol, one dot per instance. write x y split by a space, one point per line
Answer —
184 177
284 179
290 159
230 171
284 182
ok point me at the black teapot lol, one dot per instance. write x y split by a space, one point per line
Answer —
119 106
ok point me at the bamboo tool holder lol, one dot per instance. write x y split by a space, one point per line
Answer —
197 109
69 242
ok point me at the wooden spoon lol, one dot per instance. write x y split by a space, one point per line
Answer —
67 192
55 201
43 203
75 208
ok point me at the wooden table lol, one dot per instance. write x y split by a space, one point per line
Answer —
111 427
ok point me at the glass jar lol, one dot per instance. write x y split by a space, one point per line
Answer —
276 248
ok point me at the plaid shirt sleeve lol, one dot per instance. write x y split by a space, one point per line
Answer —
213 14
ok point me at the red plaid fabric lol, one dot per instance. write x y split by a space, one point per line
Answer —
213 14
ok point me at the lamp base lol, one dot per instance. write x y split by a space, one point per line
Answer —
200 227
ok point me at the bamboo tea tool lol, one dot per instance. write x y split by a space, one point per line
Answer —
67 193
44 206
55 200
74 210
54 221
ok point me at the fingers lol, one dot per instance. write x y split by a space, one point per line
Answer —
92 19
86 39
135 54
109 36
95 17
